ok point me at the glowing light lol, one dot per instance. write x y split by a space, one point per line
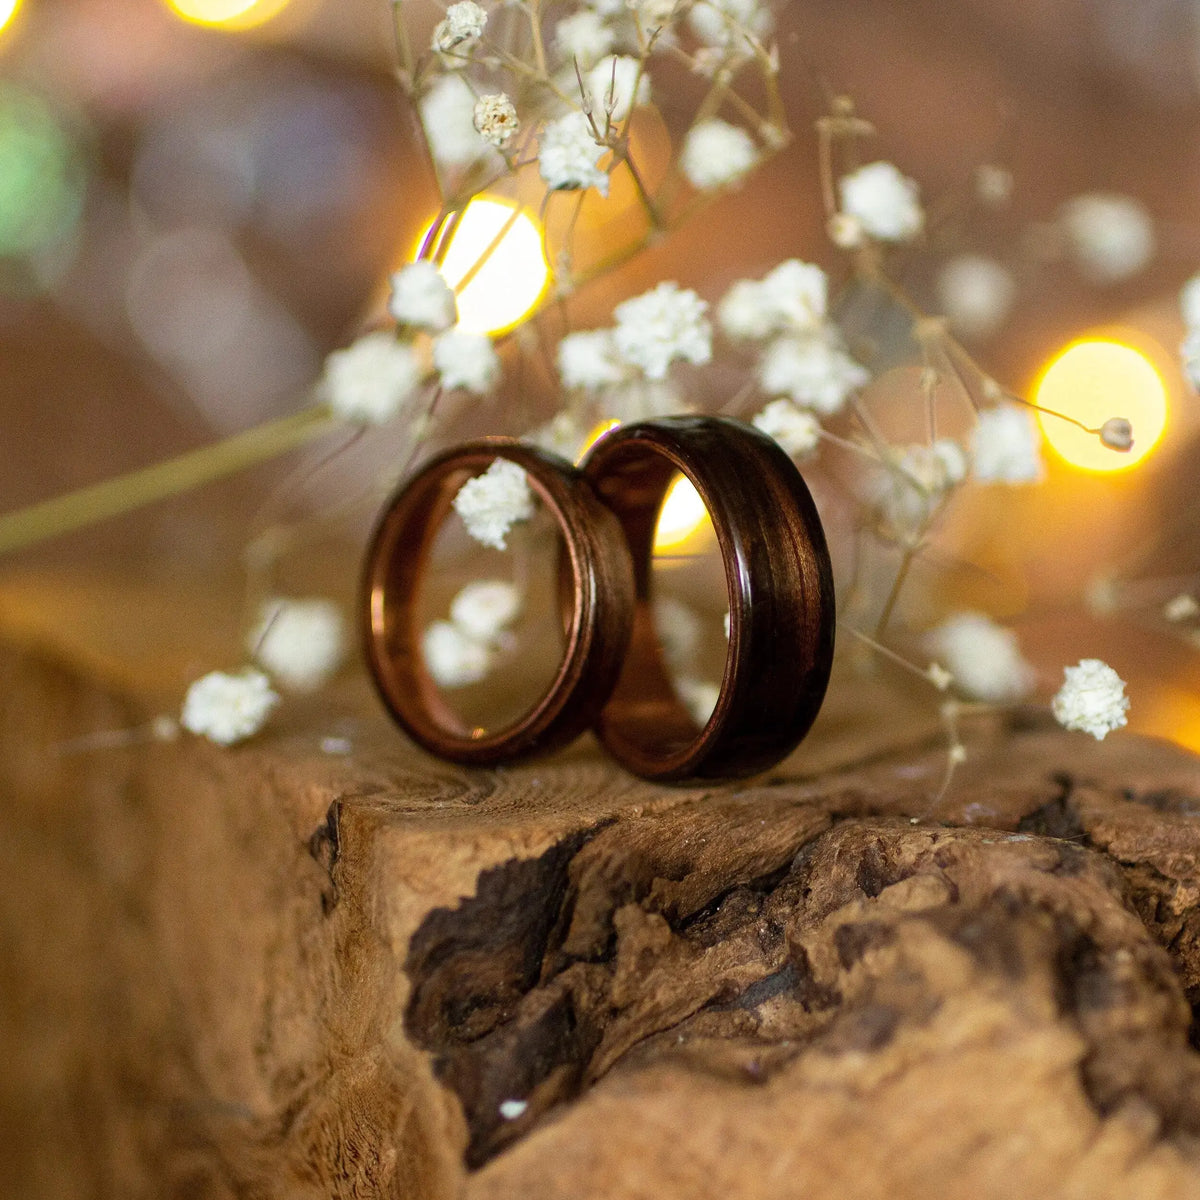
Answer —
597 432
1094 380
502 284
8 9
682 520
228 14
41 176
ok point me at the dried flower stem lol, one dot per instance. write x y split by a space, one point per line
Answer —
123 494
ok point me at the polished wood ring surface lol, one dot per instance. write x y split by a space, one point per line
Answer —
780 591
597 598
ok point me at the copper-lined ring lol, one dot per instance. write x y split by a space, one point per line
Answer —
597 609
780 590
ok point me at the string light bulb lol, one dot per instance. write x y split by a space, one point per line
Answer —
491 255
1094 380
226 14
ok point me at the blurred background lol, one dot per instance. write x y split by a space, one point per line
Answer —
200 199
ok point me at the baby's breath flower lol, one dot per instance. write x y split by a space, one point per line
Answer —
584 38
562 435
716 154
613 86
1092 699
725 23
1117 434
496 119
796 430
678 630
661 325
466 360
460 30
699 697
993 184
301 642
485 608
589 360
1189 302
976 294
814 371
846 231
1181 608
454 658
923 475
1189 352
448 118
1110 236
371 380
984 659
492 503
746 310
567 155
1006 446
227 707
654 14
642 399
422 298
885 202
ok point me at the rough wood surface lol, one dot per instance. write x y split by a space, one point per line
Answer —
281 972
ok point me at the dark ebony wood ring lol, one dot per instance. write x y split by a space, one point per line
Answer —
598 609
781 601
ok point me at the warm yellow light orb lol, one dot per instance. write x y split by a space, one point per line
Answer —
493 260
1093 380
8 10
682 520
228 14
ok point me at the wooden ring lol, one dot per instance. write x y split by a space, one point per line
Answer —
598 609
781 601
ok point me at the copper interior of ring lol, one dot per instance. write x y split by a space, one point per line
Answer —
645 714
780 589
596 571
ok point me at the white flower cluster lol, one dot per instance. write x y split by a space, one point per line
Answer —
466 360
1006 446
729 24
448 118
422 298
1189 304
795 429
459 32
300 642
1110 237
463 649
228 708
916 483
1092 699
804 361
664 324
495 119
976 294
983 659
568 153
716 154
372 380
492 503
882 203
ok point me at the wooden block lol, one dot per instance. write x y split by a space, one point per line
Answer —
278 971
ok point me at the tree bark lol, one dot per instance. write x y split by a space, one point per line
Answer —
281 971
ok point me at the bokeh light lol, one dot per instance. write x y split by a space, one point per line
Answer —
504 288
1093 380
42 175
227 14
8 10
683 520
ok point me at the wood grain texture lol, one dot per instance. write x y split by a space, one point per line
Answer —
275 971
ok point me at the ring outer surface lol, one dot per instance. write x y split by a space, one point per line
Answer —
780 592
597 622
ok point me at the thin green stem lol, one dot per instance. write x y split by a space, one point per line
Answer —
113 497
